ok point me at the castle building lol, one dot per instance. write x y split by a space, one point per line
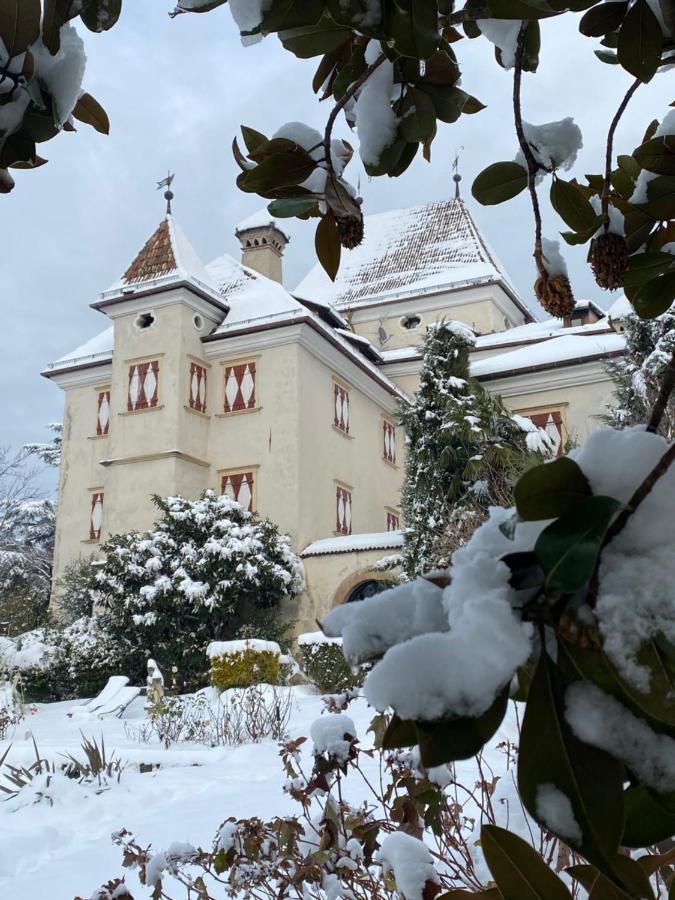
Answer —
218 377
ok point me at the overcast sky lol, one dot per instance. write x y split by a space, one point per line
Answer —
176 91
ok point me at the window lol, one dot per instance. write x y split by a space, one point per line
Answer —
197 398
103 412
145 320
393 522
143 384
96 516
341 419
239 387
389 437
344 510
411 322
238 486
552 423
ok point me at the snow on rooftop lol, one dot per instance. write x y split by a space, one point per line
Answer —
260 219
348 543
99 347
408 252
621 308
549 352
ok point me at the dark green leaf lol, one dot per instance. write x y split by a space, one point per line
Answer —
90 111
568 548
642 267
293 206
574 238
647 822
101 15
284 14
590 779
603 18
253 139
518 869
460 738
526 573
499 182
551 489
17 148
658 155
53 19
414 30
660 198
640 42
607 56
314 40
655 297
399 733
19 24
637 226
327 244
409 153
572 206
281 170
417 116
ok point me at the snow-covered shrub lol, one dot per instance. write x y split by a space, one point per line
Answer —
324 663
244 663
465 451
207 568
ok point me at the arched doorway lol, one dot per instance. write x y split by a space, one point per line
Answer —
369 588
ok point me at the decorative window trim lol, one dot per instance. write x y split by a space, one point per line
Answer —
550 409
240 406
102 430
145 358
200 372
151 364
96 497
388 424
340 391
392 514
343 523
241 470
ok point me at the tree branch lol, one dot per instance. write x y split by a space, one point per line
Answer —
532 165
353 88
666 390
607 184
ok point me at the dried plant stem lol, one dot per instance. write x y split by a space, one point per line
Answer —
607 183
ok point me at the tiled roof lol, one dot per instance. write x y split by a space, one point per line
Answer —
408 252
355 543
155 259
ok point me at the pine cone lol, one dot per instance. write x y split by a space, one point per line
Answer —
608 256
350 230
554 292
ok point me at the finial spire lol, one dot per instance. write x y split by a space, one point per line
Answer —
456 177
168 193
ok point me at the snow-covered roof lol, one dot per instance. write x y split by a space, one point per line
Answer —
166 257
98 349
260 219
556 351
350 543
409 252
621 308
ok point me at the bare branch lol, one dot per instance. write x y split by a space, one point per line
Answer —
666 390
607 184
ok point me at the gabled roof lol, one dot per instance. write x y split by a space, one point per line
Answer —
408 253
96 351
167 257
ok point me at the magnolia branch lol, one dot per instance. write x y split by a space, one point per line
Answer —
666 390
532 165
607 183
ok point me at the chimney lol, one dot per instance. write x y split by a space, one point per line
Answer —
262 244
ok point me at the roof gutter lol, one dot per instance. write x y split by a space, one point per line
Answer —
542 367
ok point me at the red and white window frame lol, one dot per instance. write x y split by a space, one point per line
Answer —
95 513
197 385
550 419
393 519
143 384
240 485
241 390
102 411
388 441
343 508
341 406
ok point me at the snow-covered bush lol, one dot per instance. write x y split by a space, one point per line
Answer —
324 663
465 452
244 663
207 569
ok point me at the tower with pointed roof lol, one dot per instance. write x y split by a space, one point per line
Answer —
217 377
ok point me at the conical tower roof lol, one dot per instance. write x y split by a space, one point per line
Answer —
166 257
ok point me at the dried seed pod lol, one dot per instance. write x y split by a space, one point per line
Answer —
608 256
350 230
554 292
6 182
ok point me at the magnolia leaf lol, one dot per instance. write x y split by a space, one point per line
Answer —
551 489
660 198
655 297
413 31
253 139
591 779
399 733
518 869
526 572
53 19
327 244
278 171
602 19
568 548
657 155
499 182
90 111
418 116
292 206
19 25
409 153
101 15
460 738
572 206
640 42
642 267
280 15
315 40
574 238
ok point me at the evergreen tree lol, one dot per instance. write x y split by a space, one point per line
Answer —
637 375
207 570
464 451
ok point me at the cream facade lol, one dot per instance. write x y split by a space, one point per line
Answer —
218 378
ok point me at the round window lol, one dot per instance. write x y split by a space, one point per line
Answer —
410 322
145 320
198 322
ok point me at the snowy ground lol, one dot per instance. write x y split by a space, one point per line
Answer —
55 852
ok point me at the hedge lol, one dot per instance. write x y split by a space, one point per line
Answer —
244 663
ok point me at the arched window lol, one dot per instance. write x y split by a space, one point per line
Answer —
369 589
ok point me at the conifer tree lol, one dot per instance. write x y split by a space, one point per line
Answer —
637 375
464 451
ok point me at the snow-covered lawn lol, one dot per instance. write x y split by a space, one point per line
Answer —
61 849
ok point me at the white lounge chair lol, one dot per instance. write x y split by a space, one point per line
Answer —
114 685
121 700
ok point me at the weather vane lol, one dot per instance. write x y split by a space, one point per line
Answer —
168 193
457 177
